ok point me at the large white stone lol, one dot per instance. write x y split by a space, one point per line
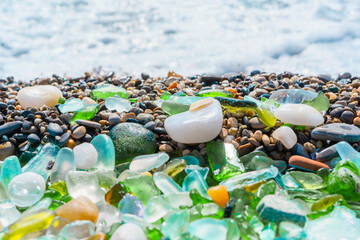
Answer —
286 136
197 126
38 96
299 114
85 156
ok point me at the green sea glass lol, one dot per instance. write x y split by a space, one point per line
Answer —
86 113
108 90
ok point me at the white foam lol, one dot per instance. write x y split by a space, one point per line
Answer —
70 37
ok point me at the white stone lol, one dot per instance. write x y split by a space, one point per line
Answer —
85 156
26 189
128 231
145 163
197 126
299 114
286 136
88 101
38 96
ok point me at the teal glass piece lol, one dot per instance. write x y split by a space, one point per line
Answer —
215 93
209 229
202 170
292 95
108 90
291 230
72 105
106 152
175 224
239 181
42 204
3 193
346 151
10 168
223 160
265 189
166 184
277 208
117 103
195 180
190 160
269 232
64 163
86 113
157 208
39 164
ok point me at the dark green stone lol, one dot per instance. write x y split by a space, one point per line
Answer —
131 140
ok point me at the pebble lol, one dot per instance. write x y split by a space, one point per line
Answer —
306 163
337 132
10 128
114 119
85 156
197 126
299 114
7 149
255 123
38 96
286 135
88 124
79 132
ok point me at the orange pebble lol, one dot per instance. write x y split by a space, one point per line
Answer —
80 208
173 74
172 85
231 90
71 143
219 195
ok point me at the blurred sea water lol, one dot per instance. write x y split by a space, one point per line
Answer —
39 38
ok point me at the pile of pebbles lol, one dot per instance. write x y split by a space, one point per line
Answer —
24 129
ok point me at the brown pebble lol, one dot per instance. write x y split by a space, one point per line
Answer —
266 140
223 133
254 142
233 131
79 132
6 149
306 163
258 135
309 147
165 148
232 123
186 152
98 236
125 116
255 123
246 148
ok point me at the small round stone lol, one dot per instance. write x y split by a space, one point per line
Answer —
79 132
6 149
26 189
33 138
357 121
54 129
85 156
89 124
